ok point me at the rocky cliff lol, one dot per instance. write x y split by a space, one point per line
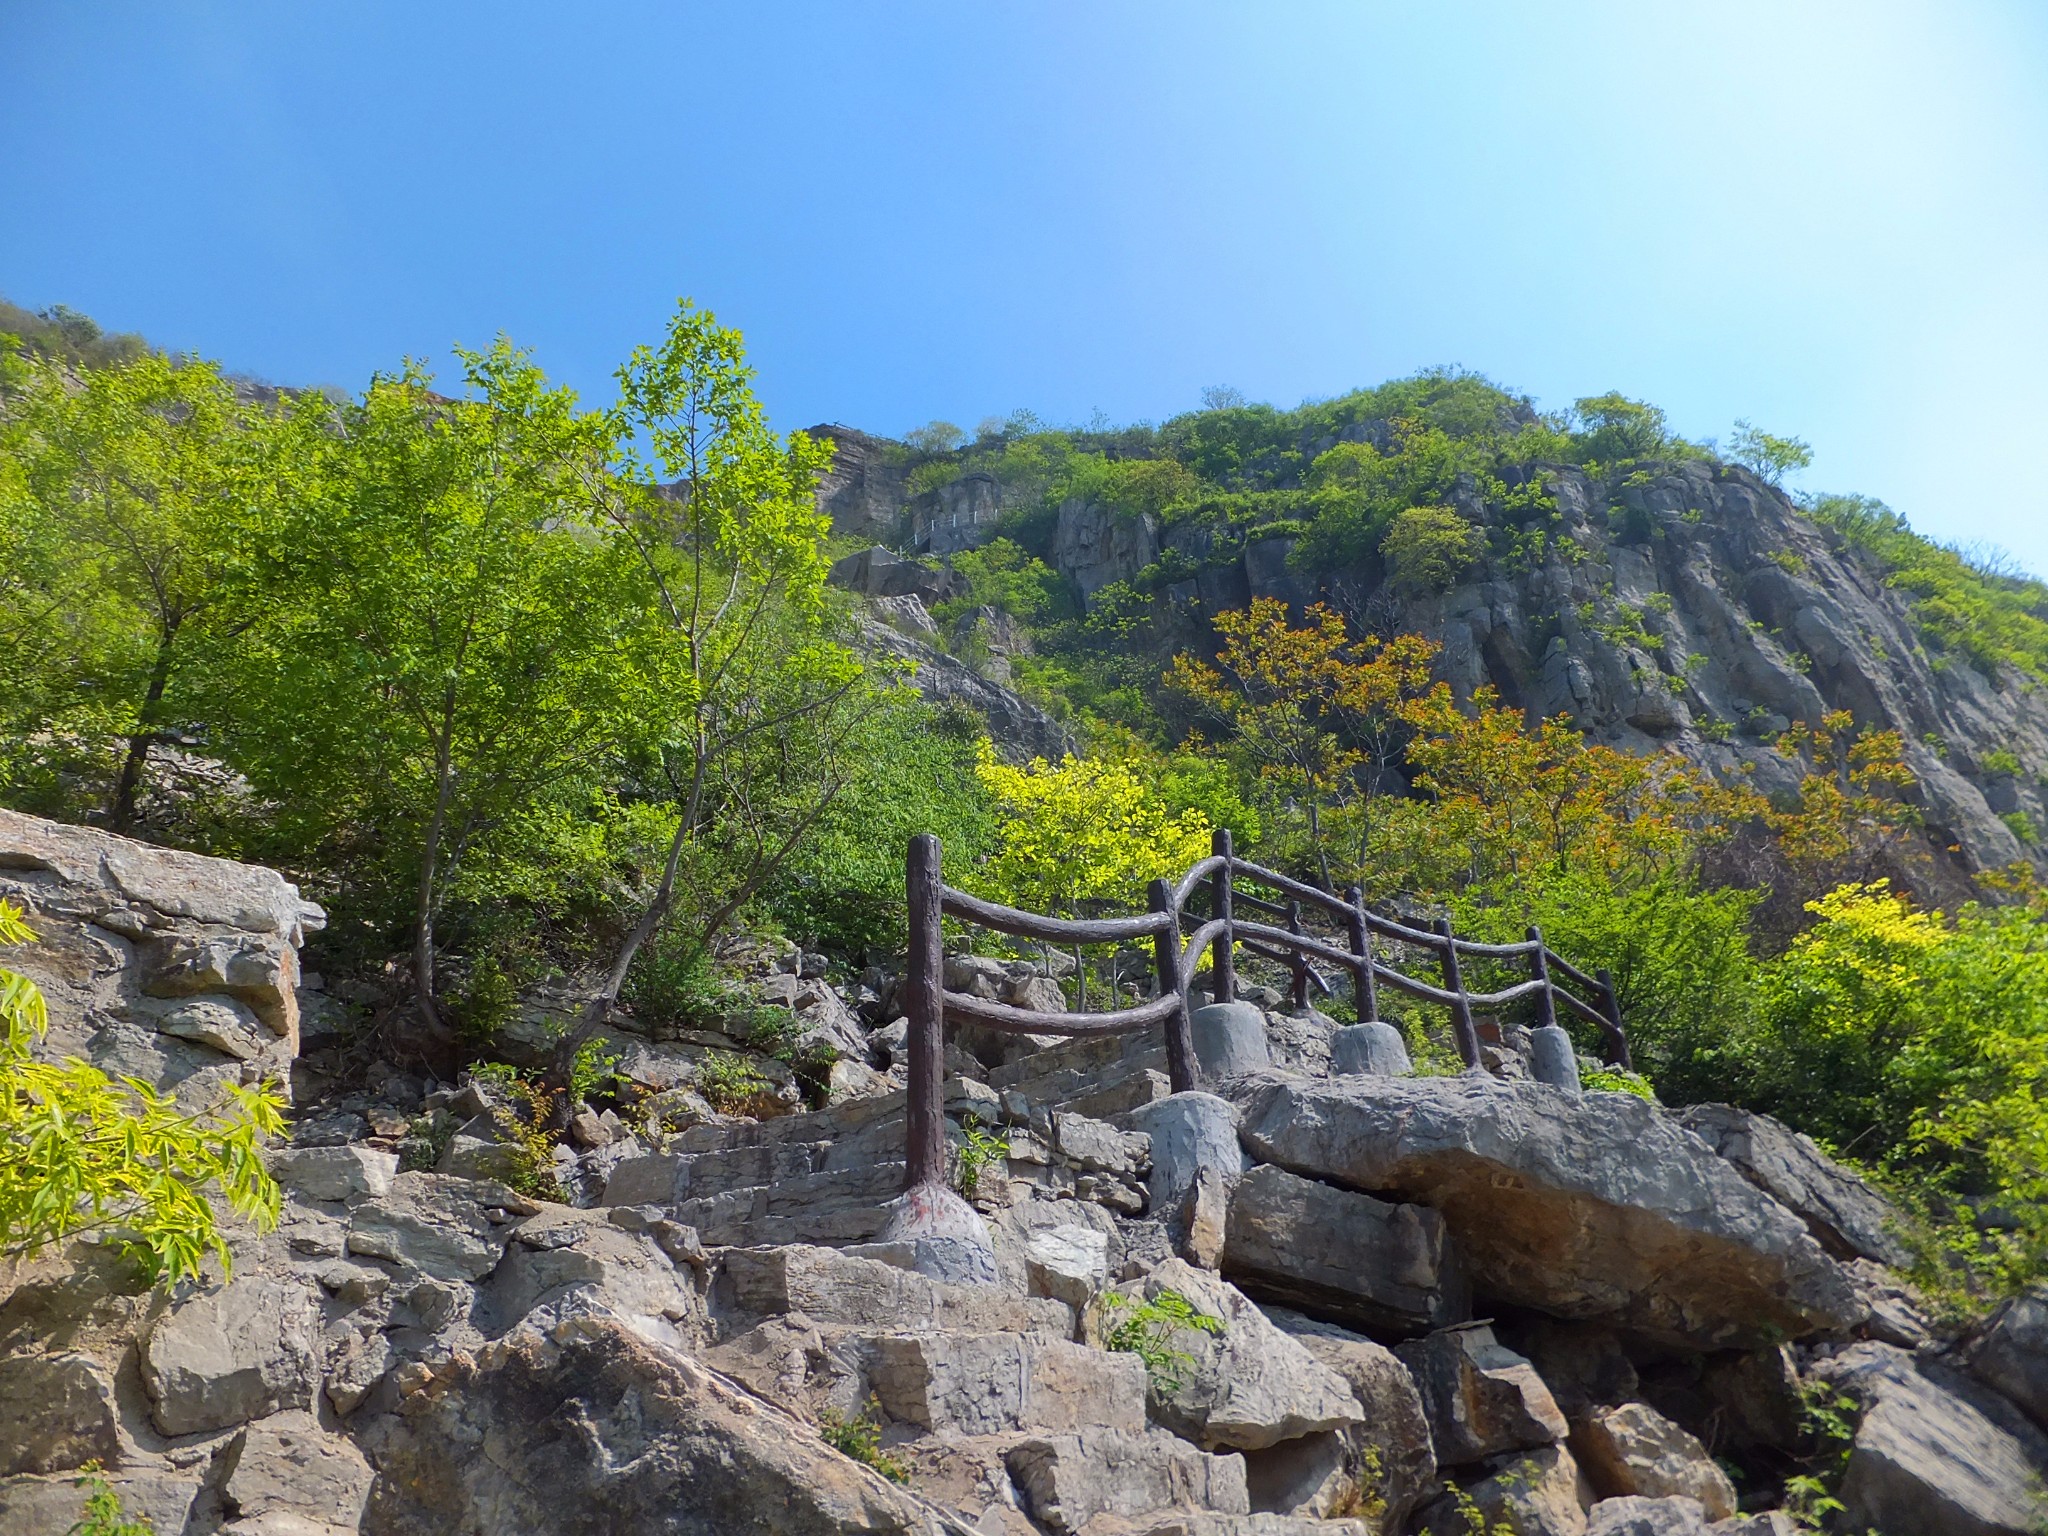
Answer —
1579 1314
1685 605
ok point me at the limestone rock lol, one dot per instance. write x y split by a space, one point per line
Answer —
1633 1449
1020 730
1928 1458
1536 1493
1189 1132
1850 1219
832 1287
1068 1263
978 1384
56 1413
227 1356
1066 1481
432 1222
558 1411
949 1241
1340 1254
1249 1387
1641 1515
1391 1455
2012 1355
1482 1399
334 1173
53 1505
1595 1208
287 1465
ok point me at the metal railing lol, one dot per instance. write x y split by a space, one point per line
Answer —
1177 958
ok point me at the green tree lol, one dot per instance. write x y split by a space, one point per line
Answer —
1770 457
447 641
113 518
1613 427
1427 548
89 1154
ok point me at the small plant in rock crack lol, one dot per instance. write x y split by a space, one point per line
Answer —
860 1438
978 1149
732 1085
1147 1329
1827 1417
103 1515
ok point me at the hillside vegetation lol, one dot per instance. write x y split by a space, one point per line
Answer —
525 691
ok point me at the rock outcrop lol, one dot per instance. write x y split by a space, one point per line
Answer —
717 1330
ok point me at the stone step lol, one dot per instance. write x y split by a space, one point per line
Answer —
845 1205
840 1289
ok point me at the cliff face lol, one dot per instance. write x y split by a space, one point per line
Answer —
1690 606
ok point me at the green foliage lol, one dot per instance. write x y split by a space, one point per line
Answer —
1002 576
1828 1418
1772 458
523 1123
1427 548
61 334
1987 618
103 1514
1615 429
977 1149
1613 1080
860 1438
90 1154
1147 1329
732 1085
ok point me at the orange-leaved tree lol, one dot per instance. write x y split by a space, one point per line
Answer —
1312 712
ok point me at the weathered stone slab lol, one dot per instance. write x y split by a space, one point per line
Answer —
1190 1132
831 1287
1068 1480
1927 1459
1596 1208
1400 1470
1249 1386
1482 1399
1340 1254
1849 1218
56 1413
2012 1354
227 1356
433 1222
1537 1493
286 1465
1632 1450
980 1384
334 1173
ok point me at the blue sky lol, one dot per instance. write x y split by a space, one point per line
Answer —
1829 218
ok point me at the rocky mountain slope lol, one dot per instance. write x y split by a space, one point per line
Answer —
1684 604
1583 1315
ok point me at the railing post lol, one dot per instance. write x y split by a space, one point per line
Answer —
1454 983
1365 988
1181 1069
924 982
1539 967
1297 963
1617 1037
1223 953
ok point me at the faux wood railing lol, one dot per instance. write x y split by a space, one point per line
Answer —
1177 957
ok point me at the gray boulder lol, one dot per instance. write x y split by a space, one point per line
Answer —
1637 1515
558 1411
1633 1450
1230 1038
2011 1355
1850 1219
1340 1254
1596 1208
1482 1399
1931 1458
56 1413
1246 1387
287 1468
225 1357
1190 1132
433 1222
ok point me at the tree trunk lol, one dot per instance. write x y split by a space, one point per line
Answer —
130 785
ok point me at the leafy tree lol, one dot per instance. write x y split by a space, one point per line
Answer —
1002 576
766 708
448 643
1081 831
88 1154
1310 711
1771 457
1613 428
119 481
1427 548
935 437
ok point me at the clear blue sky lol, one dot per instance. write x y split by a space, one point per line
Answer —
1829 218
